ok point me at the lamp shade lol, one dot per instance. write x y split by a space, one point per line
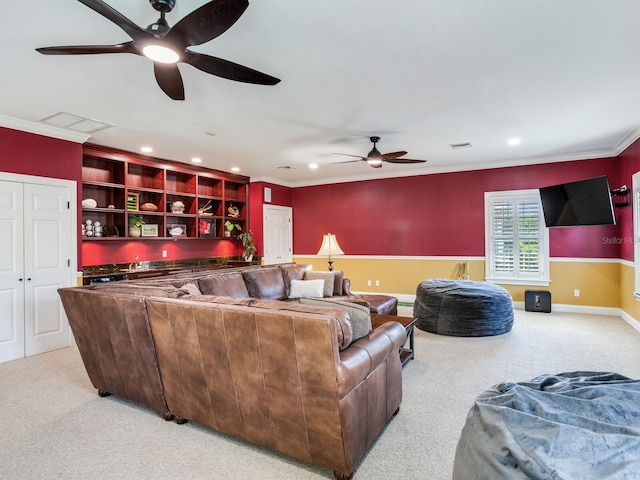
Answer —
330 246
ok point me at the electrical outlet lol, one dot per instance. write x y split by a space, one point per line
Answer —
368 283
377 283
164 254
576 293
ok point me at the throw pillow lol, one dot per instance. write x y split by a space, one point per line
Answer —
306 288
360 315
327 277
190 289
337 282
293 271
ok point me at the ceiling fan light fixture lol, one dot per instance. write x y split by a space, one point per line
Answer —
160 54
374 160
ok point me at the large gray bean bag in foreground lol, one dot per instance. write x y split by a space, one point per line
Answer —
463 308
576 425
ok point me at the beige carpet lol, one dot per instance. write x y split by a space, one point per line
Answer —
54 426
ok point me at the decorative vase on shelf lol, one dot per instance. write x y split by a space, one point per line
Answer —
135 231
249 258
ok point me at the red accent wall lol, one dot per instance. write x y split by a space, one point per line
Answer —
124 251
30 154
437 215
628 163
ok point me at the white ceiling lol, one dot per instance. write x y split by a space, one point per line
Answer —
564 76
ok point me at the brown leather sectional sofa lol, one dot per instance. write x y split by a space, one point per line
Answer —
279 374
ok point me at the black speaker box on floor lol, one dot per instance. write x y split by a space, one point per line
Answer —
537 301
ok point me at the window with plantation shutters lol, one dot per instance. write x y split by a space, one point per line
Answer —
516 239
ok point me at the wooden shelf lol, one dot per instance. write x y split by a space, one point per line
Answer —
111 177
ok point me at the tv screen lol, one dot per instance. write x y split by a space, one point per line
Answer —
585 202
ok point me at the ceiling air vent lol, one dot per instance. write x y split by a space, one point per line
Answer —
458 146
74 122
286 167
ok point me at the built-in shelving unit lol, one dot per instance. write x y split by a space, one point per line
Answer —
191 202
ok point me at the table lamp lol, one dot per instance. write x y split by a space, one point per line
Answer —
330 247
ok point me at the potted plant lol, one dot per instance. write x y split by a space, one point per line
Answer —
230 227
135 222
247 243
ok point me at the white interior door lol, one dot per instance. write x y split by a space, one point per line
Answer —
11 272
278 234
47 266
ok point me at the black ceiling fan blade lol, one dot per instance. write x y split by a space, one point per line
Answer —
348 155
130 28
169 80
88 49
207 22
347 161
393 154
226 69
404 160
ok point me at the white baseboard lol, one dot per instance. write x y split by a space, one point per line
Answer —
611 311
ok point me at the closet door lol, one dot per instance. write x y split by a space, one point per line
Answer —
12 279
46 265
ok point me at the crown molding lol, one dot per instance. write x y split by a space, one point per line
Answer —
41 129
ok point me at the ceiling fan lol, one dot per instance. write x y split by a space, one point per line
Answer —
166 46
374 158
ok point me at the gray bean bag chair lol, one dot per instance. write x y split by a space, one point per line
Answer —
577 425
463 308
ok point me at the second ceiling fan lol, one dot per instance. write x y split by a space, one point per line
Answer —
375 159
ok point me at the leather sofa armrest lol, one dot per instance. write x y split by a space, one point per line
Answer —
346 286
364 355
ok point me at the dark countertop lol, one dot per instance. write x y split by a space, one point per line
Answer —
93 272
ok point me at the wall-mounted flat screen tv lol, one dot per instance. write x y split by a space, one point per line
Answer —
585 202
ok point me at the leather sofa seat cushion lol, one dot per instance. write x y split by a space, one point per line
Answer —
358 314
224 285
265 283
328 278
164 291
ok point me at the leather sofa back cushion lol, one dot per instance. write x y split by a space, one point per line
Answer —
219 299
265 283
224 285
293 271
165 291
359 315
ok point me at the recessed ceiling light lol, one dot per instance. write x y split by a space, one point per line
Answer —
146 149
313 166
514 141
235 169
196 160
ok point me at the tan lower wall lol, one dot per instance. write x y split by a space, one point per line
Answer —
599 282
628 302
